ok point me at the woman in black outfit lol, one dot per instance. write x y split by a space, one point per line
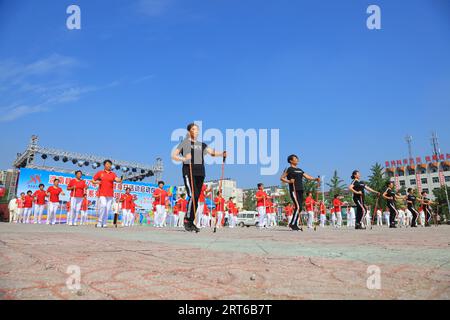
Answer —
358 188
391 198
411 200
191 152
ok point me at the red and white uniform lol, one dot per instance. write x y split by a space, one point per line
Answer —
127 215
160 199
40 201
261 198
105 194
84 211
206 219
337 204
309 204
220 209
28 208
76 199
182 209
270 211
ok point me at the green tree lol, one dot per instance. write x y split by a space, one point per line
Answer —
336 185
441 202
377 181
250 200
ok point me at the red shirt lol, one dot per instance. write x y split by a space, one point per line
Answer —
260 202
289 211
160 196
202 194
126 200
20 203
337 205
205 210
310 202
175 211
68 206
40 196
182 204
106 187
54 193
133 207
80 186
235 211
85 204
220 204
230 205
28 202
323 209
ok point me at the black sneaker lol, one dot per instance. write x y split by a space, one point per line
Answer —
188 226
393 227
195 229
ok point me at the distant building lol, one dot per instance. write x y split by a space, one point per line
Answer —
424 174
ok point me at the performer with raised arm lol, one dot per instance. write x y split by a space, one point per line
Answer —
391 196
105 180
191 152
358 188
411 200
40 202
426 203
294 176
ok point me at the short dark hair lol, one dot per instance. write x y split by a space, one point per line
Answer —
291 157
56 180
354 174
183 195
41 185
23 193
336 195
161 182
107 161
29 191
78 171
410 189
260 185
128 189
190 126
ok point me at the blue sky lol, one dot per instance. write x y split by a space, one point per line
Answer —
343 96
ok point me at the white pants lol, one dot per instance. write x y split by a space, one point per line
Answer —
27 214
126 217
105 210
233 221
52 211
132 218
333 219
20 215
368 220
205 221
379 220
289 220
160 215
13 215
219 219
271 220
75 208
200 209
175 220
339 219
181 217
323 220
422 219
387 219
84 217
38 211
310 219
262 217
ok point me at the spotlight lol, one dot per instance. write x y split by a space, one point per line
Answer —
95 165
125 169
142 171
134 170
65 159
56 158
86 163
117 167
80 163
44 156
74 161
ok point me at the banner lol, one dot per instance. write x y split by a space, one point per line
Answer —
29 180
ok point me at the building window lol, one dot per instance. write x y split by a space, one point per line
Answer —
424 181
435 180
412 182
403 183
447 179
426 190
401 174
412 172
423 171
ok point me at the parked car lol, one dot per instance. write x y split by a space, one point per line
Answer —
248 219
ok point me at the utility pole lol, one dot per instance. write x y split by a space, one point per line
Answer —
409 140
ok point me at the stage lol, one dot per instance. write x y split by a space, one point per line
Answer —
146 263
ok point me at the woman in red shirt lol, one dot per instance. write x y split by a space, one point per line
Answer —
40 201
53 194
78 188
28 206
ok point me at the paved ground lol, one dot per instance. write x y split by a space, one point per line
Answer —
145 263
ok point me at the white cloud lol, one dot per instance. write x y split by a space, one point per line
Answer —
153 8
37 86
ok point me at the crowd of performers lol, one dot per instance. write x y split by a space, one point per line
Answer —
192 213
